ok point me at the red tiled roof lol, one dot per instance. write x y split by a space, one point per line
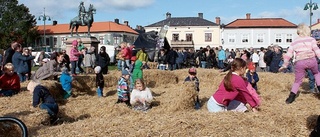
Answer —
261 23
96 27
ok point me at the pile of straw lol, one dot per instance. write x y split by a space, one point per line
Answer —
172 113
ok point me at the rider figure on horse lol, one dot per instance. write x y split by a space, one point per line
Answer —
82 12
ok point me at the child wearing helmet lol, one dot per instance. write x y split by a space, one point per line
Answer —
192 77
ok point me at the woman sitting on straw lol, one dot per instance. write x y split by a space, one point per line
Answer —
49 69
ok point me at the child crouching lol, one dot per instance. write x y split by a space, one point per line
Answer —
66 82
123 88
43 99
193 78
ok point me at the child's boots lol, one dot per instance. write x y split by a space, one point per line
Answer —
291 98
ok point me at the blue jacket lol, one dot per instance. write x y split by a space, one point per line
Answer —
221 55
42 95
20 62
255 77
65 80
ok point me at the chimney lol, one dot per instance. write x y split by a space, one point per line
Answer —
318 20
116 21
218 21
200 15
168 15
248 16
126 23
54 22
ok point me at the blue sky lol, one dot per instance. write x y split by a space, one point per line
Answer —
146 12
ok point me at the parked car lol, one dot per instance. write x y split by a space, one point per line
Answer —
36 61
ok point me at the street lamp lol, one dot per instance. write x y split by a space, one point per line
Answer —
311 6
44 18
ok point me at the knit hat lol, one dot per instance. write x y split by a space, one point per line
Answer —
32 84
74 43
192 70
133 58
251 66
97 69
125 72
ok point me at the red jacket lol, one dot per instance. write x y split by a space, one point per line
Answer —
239 93
10 82
126 53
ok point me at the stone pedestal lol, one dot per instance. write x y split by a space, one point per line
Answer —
87 42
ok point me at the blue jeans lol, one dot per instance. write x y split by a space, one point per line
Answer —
119 64
162 67
125 64
172 67
100 92
79 65
7 92
312 80
73 67
22 77
52 108
220 64
203 64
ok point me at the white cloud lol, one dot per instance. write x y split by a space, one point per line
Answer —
65 9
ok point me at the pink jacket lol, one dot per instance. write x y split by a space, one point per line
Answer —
74 54
304 48
239 92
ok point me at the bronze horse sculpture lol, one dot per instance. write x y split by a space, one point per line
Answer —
88 20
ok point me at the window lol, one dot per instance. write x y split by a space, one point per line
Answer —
260 38
208 37
175 37
62 40
189 36
278 38
231 38
55 41
101 39
245 38
289 38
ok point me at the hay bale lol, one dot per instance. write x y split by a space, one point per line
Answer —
153 65
54 88
154 78
184 98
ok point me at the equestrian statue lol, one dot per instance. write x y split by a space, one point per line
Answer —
84 18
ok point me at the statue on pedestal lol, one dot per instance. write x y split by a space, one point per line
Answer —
84 18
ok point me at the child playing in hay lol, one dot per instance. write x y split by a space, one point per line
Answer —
141 96
42 96
233 93
252 75
9 81
99 81
137 70
131 67
123 88
193 78
66 83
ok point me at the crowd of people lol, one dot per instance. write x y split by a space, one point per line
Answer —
238 88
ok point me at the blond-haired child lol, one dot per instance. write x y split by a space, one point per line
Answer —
9 81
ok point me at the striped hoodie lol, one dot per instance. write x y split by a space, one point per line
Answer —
303 48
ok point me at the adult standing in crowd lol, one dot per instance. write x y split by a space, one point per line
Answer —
171 59
103 60
66 60
276 57
9 53
19 61
262 64
81 56
267 58
221 57
306 50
